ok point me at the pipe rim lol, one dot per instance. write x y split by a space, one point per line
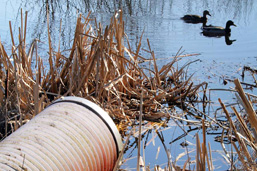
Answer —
100 113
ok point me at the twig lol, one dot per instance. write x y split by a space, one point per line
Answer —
117 164
140 127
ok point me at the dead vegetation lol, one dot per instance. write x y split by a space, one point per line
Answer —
103 67
100 67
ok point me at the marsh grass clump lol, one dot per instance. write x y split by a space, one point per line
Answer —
99 67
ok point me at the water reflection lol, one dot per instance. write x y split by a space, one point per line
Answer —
139 13
228 41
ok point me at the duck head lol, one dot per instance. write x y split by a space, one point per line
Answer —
229 23
206 12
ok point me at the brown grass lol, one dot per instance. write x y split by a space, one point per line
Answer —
245 135
99 67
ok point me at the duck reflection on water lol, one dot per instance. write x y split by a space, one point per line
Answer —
217 31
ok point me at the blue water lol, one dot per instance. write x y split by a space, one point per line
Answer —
161 23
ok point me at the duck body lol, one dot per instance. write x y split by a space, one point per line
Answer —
217 30
196 18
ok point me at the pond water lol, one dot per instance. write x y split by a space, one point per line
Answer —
167 33
161 24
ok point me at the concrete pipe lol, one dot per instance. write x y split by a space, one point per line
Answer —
70 134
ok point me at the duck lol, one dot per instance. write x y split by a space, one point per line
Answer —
217 30
189 18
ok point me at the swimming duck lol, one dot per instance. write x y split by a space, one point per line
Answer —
196 18
217 30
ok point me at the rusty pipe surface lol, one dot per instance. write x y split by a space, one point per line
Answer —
70 134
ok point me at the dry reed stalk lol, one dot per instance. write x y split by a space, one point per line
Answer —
16 87
185 164
50 59
241 158
36 95
207 159
202 153
205 154
248 105
25 30
226 156
243 147
211 163
198 153
243 125
171 166
212 119
144 167
117 164
64 68
182 155
10 27
140 128
157 76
